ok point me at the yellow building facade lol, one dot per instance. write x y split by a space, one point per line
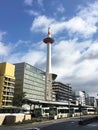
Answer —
7 84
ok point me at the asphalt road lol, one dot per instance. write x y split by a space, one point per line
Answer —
71 125
64 124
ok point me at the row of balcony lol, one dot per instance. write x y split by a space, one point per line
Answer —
8 90
5 104
7 94
9 100
9 84
9 79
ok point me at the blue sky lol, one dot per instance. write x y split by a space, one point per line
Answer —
74 26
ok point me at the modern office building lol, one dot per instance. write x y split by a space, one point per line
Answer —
30 80
93 101
97 102
63 92
80 97
87 98
7 83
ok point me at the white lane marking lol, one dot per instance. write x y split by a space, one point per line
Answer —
33 129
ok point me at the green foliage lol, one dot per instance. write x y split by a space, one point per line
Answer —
18 99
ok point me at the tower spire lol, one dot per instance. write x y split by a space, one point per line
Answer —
49 34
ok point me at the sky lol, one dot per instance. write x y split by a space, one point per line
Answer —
74 26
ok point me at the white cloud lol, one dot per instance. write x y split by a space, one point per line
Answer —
40 2
92 52
79 26
69 53
14 58
28 2
85 70
21 42
61 9
75 25
33 57
91 10
32 12
1 35
80 70
84 24
41 23
4 50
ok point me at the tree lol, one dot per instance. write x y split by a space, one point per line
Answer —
18 99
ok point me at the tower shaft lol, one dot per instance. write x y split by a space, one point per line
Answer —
48 67
48 79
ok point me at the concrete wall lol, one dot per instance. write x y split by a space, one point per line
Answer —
2 117
13 118
27 117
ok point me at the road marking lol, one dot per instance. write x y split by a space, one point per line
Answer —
72 122
33 129
92 125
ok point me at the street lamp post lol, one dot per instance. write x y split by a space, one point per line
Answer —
80 109
69 101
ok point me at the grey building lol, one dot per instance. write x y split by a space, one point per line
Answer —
63 92
30 80
93 101
79 96
87 98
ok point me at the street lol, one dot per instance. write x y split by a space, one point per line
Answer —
71 125
63 124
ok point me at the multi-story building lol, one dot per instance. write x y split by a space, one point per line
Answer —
7 83
93 101
63 92
87 98
97 102
79 97
30 80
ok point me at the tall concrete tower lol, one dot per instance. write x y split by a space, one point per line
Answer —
48 80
